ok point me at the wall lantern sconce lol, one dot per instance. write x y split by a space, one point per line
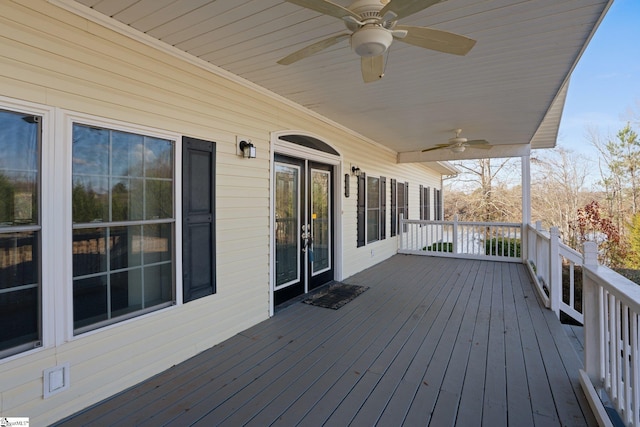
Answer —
248 149
355 171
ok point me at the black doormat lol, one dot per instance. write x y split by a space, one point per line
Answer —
335 295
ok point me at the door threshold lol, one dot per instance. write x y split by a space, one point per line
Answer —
278 308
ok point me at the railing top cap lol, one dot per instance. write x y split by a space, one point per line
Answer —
618 285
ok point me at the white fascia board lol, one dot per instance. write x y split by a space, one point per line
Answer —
443 168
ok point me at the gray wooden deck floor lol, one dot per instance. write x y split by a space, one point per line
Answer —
434 341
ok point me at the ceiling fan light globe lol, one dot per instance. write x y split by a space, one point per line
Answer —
457 148
371 41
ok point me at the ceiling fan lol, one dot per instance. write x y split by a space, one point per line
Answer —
373 27
458 144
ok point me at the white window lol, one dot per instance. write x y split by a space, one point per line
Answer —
437 202
20 232
123 225
425 203
373 209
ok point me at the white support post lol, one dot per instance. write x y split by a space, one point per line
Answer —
591 310
555 270
526 205
591 254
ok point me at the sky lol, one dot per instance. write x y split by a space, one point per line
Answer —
604 90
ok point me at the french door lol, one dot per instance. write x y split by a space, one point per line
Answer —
304 226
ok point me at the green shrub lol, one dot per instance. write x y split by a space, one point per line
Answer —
439 247
495 247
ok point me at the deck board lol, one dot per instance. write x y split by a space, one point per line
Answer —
518 399
445 411
495 394
431 381
434 341
472 394
576 337
542 404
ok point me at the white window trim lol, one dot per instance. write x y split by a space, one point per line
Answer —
64 226
55 218
47 200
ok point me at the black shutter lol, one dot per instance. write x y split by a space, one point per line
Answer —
394 207
383 207
198 222
362 211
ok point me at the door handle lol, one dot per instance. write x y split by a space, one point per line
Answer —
306 237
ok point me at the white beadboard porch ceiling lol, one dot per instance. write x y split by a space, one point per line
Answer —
509 89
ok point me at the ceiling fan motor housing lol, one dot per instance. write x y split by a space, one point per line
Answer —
457 140
371 40
367 8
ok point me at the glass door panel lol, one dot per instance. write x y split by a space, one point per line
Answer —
320 255
320 207
287 228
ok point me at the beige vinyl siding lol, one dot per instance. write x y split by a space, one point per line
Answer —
377 162
52 57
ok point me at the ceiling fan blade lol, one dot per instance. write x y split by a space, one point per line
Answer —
437 147
326 8
404 8
372 68
312 49
479 143
442 41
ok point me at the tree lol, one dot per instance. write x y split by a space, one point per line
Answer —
488 197
88 206
620 171
559 189
593 226
633 257
7 195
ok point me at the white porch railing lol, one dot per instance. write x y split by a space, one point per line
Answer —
478 240
552 265
612 350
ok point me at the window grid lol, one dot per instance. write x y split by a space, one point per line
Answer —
373 209
425 203
402 199
20 232
437 204
137 229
